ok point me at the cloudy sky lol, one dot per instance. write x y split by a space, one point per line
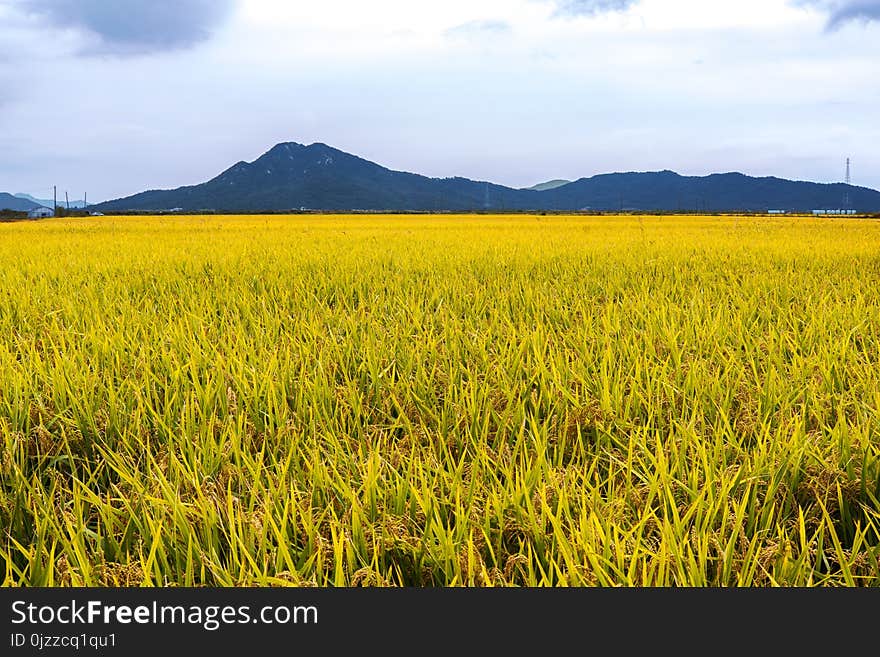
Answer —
116 96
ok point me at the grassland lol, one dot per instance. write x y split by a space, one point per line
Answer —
440 401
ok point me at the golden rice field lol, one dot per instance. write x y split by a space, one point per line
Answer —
440 401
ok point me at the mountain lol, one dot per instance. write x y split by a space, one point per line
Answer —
10 202
552 184
293 176
47 202
720 192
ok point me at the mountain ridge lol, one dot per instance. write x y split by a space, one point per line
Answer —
293 176
550 184
16 204
48 203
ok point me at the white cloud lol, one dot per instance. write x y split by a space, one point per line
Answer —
479 29
591 7
494 89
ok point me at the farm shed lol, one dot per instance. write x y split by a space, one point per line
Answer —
41 213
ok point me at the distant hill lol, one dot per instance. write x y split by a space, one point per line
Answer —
10 202
47 202
720 192
552 184
293 176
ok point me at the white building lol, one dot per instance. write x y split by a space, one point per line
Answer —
41 213
833 212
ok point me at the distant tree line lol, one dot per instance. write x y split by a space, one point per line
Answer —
12 215
61 211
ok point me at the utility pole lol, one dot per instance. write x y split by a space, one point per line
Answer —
85 200
54 199
67 200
